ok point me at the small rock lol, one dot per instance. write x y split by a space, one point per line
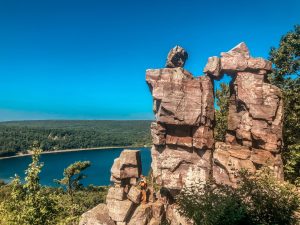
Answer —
176 57
116 193
134 195
128 165
119 210
213 67
96 216
259 64
240 50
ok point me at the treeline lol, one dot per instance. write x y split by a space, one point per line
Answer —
18 136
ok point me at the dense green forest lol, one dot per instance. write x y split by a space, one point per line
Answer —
18 136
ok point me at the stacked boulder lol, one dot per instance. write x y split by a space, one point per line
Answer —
254 135
123 201
183 129
123 196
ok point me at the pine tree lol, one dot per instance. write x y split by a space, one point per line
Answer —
286 75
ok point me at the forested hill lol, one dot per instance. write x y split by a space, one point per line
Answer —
18 136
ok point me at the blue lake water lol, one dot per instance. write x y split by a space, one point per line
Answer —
54 165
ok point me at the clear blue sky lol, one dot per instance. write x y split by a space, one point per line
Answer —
86 59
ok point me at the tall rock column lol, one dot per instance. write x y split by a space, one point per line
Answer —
254 135
123 196
183 131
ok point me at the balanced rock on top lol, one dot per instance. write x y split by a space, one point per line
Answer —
176 57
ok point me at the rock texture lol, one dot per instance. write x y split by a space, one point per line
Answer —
254 136
176 57
174 218
122 197
96 216
183 131
127 167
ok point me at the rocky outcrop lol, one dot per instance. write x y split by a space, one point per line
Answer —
183 131
254 136
184 152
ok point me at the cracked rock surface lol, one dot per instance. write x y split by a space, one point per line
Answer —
183 130
254 120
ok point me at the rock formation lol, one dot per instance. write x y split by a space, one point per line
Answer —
183 131
254 135
123 201
184 110
184 152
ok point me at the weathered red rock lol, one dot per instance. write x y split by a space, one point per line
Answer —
116 193
134 195
213 67
229 160
241 50
176 167
127 166
157 209
176 57
158 133
119 210
123 197
183 132
254 120
175 218
142 215
180 99
238 60
96 216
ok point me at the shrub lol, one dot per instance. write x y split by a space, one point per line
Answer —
259 199
28 203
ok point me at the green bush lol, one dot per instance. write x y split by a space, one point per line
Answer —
259 199
30 203
27 203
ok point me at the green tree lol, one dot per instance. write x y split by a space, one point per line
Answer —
221 114
286 75
27 203
71 182
73 176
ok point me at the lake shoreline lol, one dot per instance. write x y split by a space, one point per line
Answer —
72 150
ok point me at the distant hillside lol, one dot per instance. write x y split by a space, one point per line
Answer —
18 136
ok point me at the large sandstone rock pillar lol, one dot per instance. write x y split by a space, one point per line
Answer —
183 131
254 135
